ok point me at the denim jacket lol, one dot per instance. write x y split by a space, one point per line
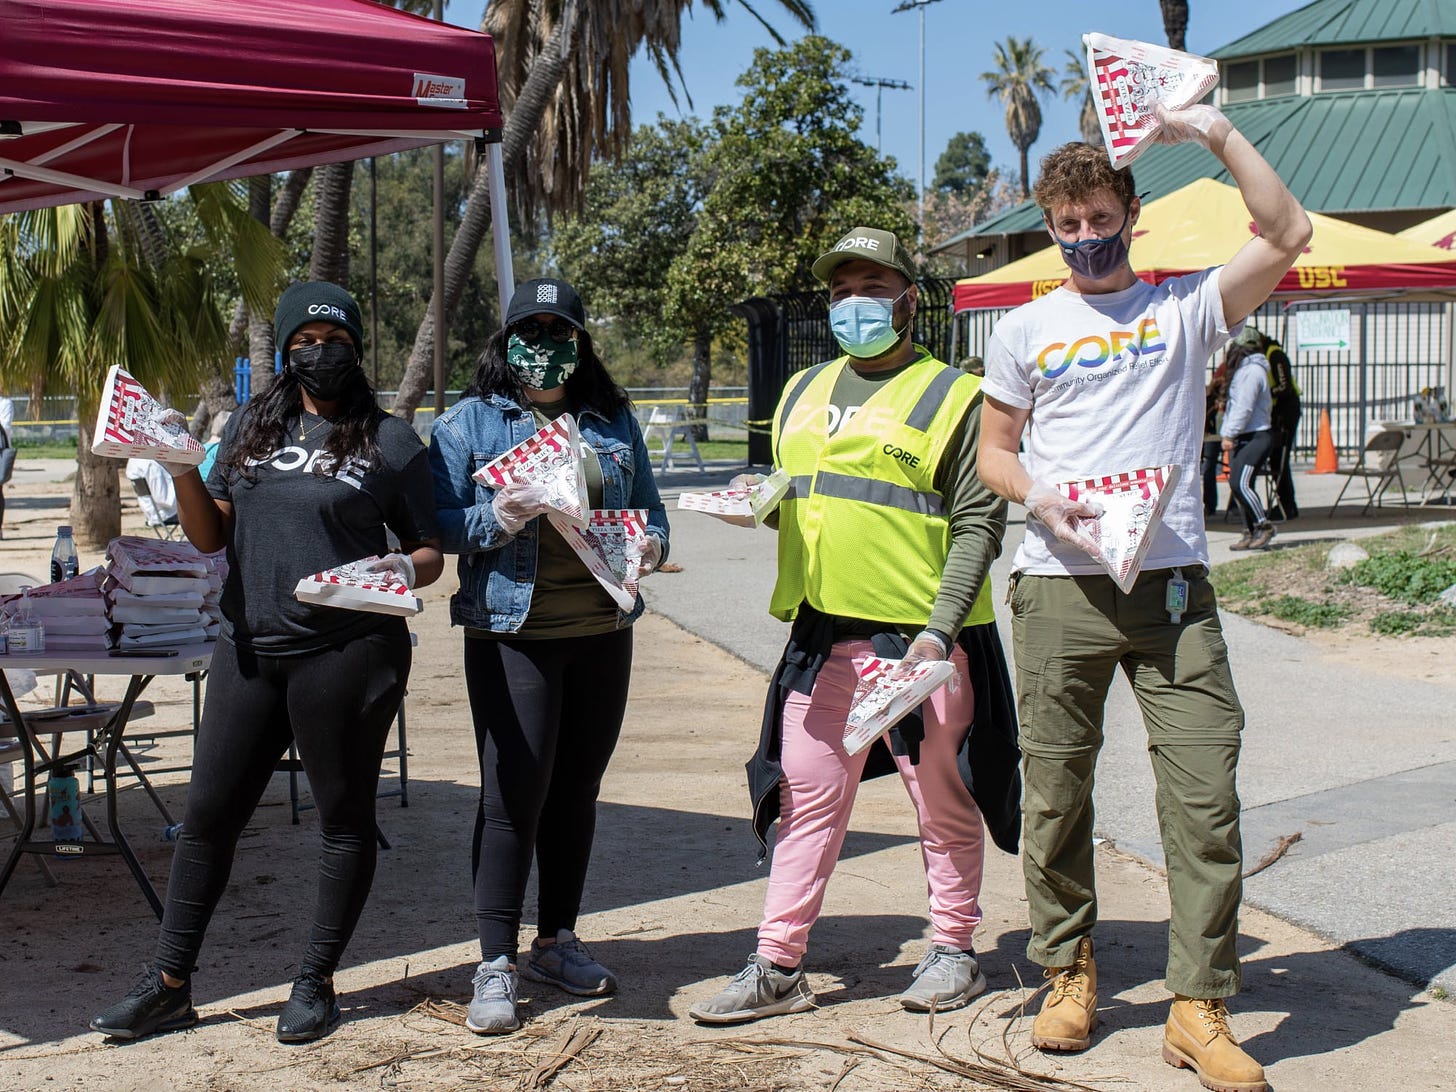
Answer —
498 570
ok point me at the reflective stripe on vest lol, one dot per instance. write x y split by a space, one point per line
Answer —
864 533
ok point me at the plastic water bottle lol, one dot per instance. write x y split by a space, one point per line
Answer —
65 796
64 563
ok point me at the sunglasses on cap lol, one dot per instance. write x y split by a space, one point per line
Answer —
530 330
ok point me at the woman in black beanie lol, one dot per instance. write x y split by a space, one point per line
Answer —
309 476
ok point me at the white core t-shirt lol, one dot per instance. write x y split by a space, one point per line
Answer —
1114 382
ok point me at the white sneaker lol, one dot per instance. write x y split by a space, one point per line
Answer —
759 990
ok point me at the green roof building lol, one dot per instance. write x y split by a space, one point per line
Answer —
1352 101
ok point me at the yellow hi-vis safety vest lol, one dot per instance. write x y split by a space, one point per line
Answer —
863 532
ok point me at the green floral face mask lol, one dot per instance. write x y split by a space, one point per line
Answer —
542 366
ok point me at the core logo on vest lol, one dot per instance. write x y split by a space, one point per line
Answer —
300 459
328 310
1094 351
857 242
909 458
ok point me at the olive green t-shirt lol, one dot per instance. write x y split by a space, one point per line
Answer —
566 600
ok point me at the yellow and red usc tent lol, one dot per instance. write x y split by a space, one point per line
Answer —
1438 231
1204 224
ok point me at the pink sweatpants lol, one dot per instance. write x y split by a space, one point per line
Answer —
817 794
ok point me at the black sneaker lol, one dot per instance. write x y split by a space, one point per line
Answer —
311 1011
150 1007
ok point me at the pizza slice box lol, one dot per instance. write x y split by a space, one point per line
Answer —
170 639
756 501
551 458
1132 508
76 642
146 613
188 597
880 704
131 424
79 596
132 555
158 584
353 587
76 625
1129 78
143 629
602 547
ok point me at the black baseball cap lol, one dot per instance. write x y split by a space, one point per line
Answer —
316 301
545 295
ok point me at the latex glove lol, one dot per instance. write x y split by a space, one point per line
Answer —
1063 516
516 504
178 420
396 563
1196 124
743 481
648 551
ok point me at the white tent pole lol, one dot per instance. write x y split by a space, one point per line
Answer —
214 169
500 228
74 181
70 146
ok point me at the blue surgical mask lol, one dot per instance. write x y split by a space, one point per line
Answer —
1095 259
864 326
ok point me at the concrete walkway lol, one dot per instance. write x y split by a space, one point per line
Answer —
1360 764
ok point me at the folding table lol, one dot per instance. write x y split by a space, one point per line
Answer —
106 744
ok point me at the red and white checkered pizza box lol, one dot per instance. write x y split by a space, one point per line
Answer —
881 703
1132 508
552 458
354 587
1130 78
602 547
131 424
756 501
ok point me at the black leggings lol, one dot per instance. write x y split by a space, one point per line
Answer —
547 716
1251 453
337 705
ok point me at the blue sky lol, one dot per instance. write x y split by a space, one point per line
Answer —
959 35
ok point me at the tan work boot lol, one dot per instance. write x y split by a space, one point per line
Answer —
1069 1013
1197 1037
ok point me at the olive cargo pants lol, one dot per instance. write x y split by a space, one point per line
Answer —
1070 634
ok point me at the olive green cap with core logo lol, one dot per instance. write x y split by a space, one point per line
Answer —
867 245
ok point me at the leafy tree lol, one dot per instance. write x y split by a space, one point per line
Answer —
963 166
564 68
1018 79
121 282
1076 85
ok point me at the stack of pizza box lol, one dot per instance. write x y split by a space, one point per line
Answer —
155 591
72 611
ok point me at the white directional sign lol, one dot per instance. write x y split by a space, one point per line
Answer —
1323 331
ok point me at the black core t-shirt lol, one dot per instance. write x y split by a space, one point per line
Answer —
294 515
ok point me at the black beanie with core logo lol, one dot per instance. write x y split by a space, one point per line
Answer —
316 301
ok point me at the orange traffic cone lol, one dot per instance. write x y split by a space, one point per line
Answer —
1325 459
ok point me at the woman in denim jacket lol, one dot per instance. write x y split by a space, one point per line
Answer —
548 653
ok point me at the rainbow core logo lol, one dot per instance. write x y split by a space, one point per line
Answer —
1094 351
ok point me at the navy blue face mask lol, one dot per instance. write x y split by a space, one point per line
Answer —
1094 259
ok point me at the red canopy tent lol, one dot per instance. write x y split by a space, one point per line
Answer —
141 98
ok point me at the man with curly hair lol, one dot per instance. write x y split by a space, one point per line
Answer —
1101 376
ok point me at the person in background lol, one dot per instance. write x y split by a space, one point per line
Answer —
548 653
885 543
214 441
1284 415
310 475
7 451
1215 401
1248 439
159 502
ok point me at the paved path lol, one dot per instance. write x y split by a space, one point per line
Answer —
1362 765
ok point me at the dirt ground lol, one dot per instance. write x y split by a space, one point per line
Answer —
671 906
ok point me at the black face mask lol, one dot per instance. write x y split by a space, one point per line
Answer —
324 369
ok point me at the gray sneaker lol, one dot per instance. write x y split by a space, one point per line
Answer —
569 965
756 991
947 978
493 1008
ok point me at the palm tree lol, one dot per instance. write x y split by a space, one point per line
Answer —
1175 22
85 286
1076 85
563 67
1019 77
